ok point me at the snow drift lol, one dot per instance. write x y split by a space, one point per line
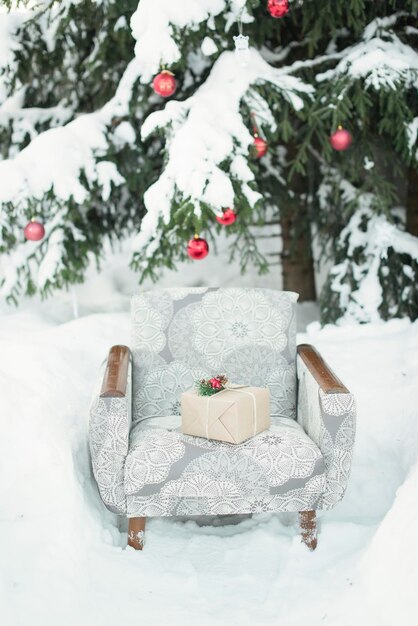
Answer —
64 556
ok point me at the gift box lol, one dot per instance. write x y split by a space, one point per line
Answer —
232 415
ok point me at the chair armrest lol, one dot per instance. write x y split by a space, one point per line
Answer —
326 411
110 425
116 374
323 374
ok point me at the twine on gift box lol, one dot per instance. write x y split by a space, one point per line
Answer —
240 389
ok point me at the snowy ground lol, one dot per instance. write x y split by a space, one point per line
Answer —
63 557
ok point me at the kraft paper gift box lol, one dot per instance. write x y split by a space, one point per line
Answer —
232 415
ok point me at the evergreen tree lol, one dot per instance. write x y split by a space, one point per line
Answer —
94 154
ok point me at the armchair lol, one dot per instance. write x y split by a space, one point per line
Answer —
145 467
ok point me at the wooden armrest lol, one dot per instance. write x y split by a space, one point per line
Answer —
116 375
324 376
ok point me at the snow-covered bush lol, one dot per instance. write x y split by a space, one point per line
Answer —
375 269
375 275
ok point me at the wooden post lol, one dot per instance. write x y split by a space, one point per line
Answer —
307 521
136 529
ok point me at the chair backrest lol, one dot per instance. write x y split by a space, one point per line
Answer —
182 335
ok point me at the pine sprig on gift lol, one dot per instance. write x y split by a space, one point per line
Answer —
210 386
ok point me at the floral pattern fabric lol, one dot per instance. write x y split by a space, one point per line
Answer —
329 420
230 319
109 431
181 335
169 473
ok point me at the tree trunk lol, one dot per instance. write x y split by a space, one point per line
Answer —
297 259
412 202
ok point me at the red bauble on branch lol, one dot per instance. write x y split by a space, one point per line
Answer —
228 217
278 8
341 139
34 231
197 248
260 146
164 84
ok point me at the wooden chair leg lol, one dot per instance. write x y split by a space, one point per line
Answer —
136 530
307 521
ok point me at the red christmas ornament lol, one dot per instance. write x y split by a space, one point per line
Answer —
260 146
215 383
278 8
341 139
164 84
197 248
34 231
228 217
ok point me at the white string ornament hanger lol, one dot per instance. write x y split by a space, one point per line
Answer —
242 52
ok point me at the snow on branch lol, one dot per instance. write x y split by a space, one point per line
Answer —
27 122
370 246
376 261
412 133
381 24
42 266
381 62
9 24
155 22
204 132
67 161
54 160
379 236
260 109
366 246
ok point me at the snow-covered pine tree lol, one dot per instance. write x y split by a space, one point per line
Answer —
92 152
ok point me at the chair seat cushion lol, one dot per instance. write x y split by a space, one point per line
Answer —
168 473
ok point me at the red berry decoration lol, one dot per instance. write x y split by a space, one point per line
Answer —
260 146
34 231
228 217
341 139
278 8
215 383
197 248
164 84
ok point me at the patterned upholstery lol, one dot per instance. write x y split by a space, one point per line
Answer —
181 335
109 429
145 466
329 420
168 473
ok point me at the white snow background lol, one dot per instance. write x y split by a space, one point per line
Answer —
63 558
